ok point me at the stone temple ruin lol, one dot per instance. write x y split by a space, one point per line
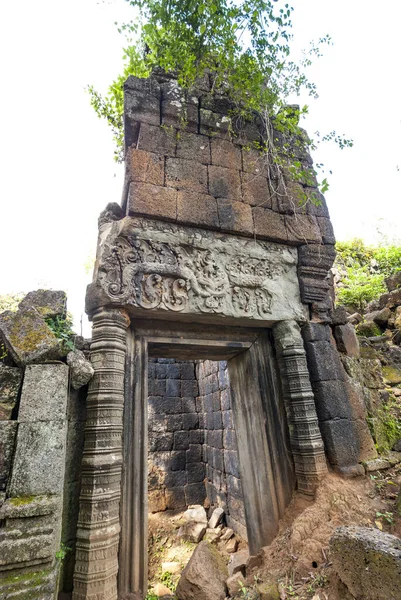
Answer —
215 371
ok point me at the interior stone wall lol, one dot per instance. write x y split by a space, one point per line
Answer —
192 442
220 450
176 470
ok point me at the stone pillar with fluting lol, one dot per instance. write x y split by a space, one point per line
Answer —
95 576
306 440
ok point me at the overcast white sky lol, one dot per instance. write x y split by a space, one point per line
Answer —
56 165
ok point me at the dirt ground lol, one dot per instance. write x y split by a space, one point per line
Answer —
298 559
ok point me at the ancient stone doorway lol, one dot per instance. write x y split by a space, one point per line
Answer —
209 257
265 459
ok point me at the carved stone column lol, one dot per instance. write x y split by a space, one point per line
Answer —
306 440
96 566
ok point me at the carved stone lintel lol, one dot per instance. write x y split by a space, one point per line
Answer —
95 576
306 440
166 268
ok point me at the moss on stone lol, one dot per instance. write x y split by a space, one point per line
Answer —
368 352
268 591
33 578
368 329
386 427
28 338
391 375
22 500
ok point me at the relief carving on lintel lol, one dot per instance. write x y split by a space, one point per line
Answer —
166 268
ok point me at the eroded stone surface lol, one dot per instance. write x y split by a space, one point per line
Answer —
368 561
192 532
237 562
10 383
196 513
44 393
166 268
8 430
204 577
38 466
81 370
48 303
216 518
347 341
29 506
28 338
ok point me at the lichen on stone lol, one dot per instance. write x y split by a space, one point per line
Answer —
22 500
391 375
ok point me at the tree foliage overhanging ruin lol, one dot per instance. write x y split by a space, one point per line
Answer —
246 45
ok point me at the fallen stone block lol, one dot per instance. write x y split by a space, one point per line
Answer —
368 329
204 577
28 338
231 546
368 562
339 316
237 562
48 303
253 562
355 319
394 458
347 341
81 370
393 282
377 464
216 518
227 535
195 513
268 591
380 317
391 375
213 535
192 532
235 583
162 591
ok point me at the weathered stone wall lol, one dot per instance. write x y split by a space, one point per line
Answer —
76 417
343 384
32 482
176 470
220 452
184 165
41 441
192 440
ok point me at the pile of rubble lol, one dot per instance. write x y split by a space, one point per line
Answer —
218 565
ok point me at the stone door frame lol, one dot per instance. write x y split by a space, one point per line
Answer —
112 525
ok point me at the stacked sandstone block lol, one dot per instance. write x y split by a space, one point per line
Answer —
32 467
176 468
186 163
220 452
192 440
